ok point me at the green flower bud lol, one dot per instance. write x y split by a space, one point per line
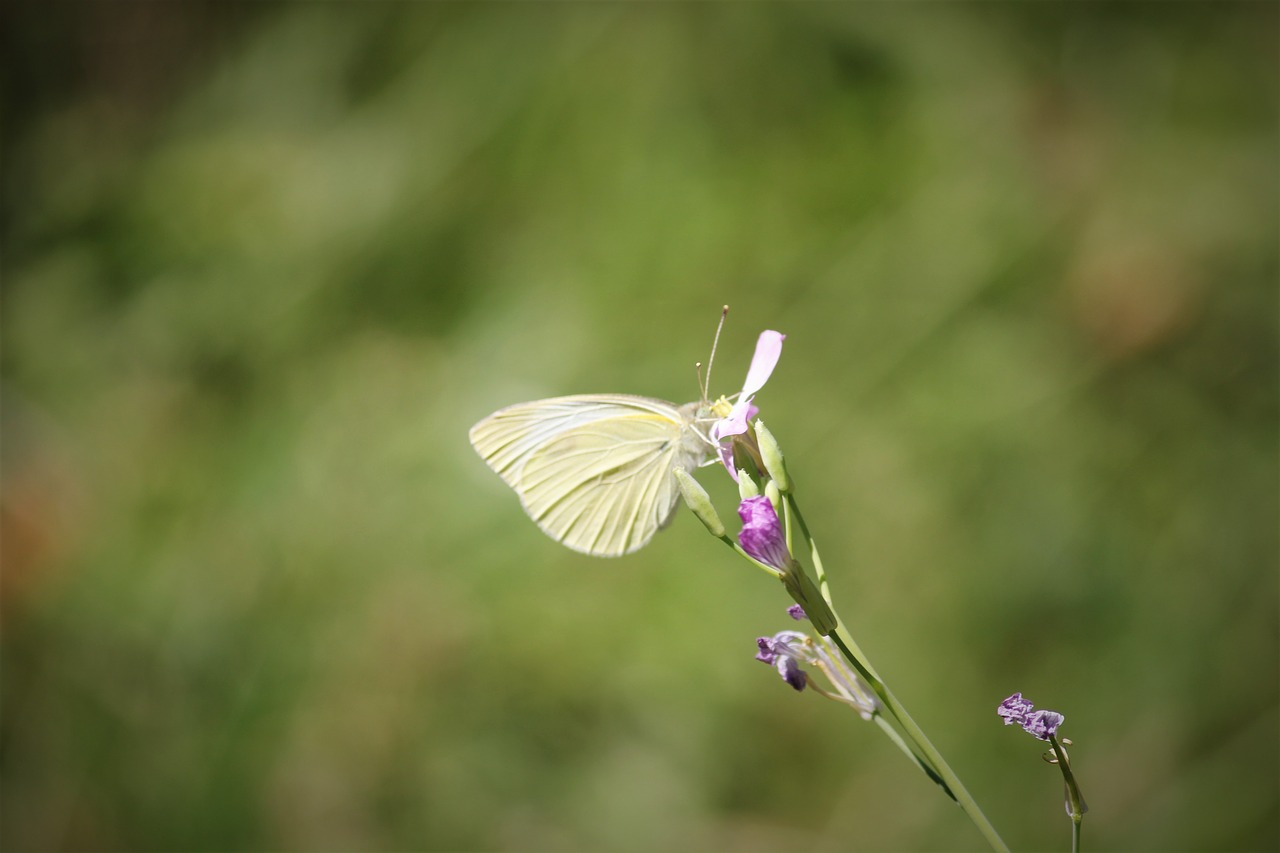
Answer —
771 454
775 497
747 487
700 502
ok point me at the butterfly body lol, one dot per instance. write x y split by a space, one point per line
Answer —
594 471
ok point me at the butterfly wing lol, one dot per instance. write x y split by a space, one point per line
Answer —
593 471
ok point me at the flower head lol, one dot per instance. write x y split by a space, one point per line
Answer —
1042 724
761 535
1039 724
787 650
768 351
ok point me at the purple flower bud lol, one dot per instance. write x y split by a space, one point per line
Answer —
797 613
761 535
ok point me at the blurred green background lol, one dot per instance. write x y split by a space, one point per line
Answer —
265 264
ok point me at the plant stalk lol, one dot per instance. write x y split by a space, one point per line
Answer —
924 750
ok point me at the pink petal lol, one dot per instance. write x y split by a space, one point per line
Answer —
726 458
762 535
768 351
734 423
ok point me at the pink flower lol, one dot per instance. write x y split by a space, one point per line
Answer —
762 535
768 351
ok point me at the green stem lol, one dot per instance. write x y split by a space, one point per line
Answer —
923 747
1076 806
948 778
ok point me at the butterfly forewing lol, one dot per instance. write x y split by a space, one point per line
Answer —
593 471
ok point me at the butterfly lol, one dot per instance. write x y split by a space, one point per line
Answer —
596 471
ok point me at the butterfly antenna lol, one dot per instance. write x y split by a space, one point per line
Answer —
706 386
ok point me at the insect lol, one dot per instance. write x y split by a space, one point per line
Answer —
595 471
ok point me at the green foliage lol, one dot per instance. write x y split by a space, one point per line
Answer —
265 264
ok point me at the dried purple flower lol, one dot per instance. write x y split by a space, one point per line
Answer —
1014 709
1039 724
787 650
778 652
1042 724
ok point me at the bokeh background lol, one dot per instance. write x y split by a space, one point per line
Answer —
263 266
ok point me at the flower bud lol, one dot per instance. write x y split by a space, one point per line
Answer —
771 454
771 492
762 536
700 502
747 487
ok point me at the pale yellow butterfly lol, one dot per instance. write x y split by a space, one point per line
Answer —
595 471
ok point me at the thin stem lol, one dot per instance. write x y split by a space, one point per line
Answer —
1076 806
924 749
793 509
737 549
946 776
